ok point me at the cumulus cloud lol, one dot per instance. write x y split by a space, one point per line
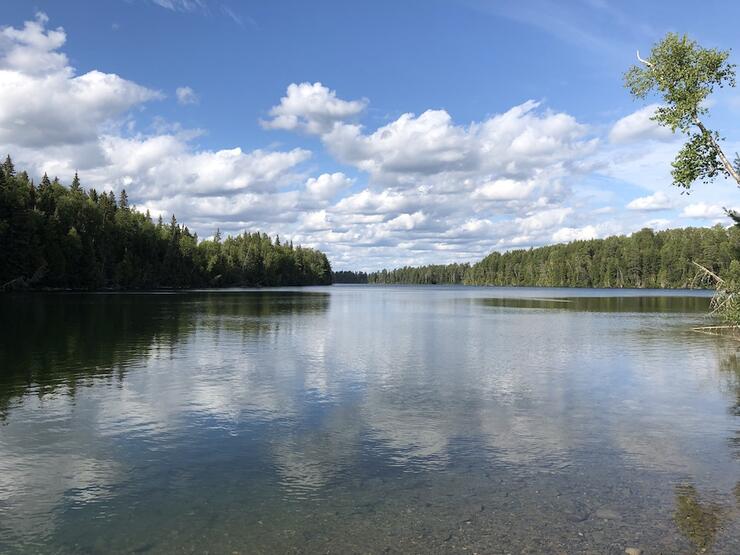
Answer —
33 49
658 223
423 187
44 103
702 210
566 234
328 185
504 189
639 126
434 185
165 165
654 202
313 108
186 95
545 219
517 144
52 119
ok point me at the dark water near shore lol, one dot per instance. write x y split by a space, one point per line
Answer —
367 419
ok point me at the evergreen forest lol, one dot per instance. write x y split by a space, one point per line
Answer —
53 236
646 259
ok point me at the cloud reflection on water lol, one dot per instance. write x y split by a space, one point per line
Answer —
320 389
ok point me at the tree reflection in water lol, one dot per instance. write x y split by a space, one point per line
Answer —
53 341
700 521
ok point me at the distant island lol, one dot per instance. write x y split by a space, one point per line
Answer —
60 237
645 259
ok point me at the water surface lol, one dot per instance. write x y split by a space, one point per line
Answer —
367 419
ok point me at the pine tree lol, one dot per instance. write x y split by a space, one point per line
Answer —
76 187
45 200
123 200
8 167
85 244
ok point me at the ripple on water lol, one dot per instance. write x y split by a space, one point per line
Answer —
361 419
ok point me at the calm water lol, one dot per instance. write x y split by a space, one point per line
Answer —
360 419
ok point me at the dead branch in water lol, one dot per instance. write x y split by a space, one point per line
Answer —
730 331
722 299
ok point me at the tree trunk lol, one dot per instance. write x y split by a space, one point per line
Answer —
725 162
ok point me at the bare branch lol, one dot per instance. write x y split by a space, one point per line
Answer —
643 61
709 273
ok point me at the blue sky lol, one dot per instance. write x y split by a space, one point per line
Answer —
385 133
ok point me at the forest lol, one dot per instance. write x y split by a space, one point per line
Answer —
642 260
348 276
53 236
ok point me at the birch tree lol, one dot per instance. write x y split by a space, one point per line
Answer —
683 75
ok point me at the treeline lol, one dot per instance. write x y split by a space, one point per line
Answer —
346 276
436 274
67 237
644 259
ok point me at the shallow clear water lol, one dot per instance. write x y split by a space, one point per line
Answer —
367 419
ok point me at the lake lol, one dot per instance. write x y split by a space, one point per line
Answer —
356 419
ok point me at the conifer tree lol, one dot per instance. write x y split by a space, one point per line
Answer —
8 167
123 200
72 239
76 187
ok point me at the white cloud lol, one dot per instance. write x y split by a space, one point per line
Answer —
639 126
52 119
33 49
521 143
504 189
567 234
311 107
406 222
370 202
328 185
543 220
186 95
658 223
702 210
43 103
656 201
181 5
316 221
424 188
165 165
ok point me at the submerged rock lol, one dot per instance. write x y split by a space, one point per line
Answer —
608 514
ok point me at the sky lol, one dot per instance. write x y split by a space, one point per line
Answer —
384 133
